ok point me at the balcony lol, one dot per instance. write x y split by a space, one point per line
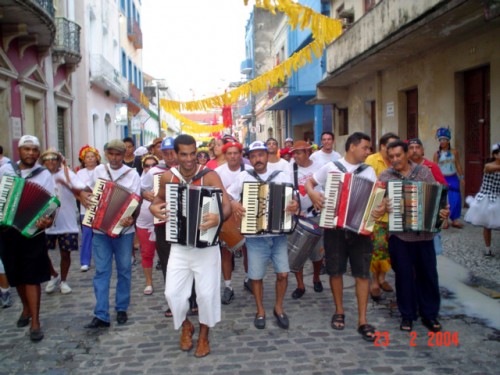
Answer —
31 22
104 75
246 67
66 49
134 33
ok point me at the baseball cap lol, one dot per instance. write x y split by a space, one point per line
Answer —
141 151
232 144
289 140
301 145
495 147
257 145
28 140
415 141
167 144
115 144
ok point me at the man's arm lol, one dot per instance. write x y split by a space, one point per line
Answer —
492 168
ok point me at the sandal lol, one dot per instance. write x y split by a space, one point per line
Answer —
148 290
376 297
367 332
338 322
168 313
386 287
432 324
406 325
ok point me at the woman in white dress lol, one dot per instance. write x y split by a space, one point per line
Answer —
485 206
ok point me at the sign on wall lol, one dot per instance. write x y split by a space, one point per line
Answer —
121 114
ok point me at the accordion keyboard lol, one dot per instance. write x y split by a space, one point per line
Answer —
395 195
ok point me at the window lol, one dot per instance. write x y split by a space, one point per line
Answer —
134 80
124 64
123 6
343 121
130 72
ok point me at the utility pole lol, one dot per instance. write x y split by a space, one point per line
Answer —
160 86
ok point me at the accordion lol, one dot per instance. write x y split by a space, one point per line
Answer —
156 189
23 202
110 203
416 205
265 205
187 204
349 201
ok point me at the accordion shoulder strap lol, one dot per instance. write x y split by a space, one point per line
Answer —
32 174
198 176
252 173
343 169
119 178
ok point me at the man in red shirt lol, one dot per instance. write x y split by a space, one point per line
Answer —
416 155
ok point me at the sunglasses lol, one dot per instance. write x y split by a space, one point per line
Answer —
202 157
50 158
149 165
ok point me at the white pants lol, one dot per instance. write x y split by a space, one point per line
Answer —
204 266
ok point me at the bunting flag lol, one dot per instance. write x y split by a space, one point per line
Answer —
323 29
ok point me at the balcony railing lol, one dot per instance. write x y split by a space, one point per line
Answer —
46 5
67 43
134 33
104 75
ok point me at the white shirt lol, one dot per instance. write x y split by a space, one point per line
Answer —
235 189
4 160
322 157
321 175
43 178
130 181
280 165
304 174
227 175
66 218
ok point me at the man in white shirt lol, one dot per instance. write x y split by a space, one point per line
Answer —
3 159
27 269
274 162
105 247
327 153
342 245
64 231
264 248
228 173
302 169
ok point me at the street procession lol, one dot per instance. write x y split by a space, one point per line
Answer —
311 187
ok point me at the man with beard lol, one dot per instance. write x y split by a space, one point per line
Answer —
187 263
104 247
267 247
27 269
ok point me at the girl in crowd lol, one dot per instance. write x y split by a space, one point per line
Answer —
202 157
89 158
485 206
145 230
220 157
448 160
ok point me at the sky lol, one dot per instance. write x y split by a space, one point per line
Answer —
196 46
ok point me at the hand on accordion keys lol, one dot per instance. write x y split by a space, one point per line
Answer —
292 207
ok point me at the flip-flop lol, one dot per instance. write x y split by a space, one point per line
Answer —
148 290
338 322
386 287
365 330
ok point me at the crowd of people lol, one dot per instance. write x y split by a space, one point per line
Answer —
192 275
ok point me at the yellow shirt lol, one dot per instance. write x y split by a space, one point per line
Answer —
376 161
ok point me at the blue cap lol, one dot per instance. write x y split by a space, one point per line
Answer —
167 144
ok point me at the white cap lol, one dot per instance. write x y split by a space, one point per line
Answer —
257 145
495 147
28 140
289 140
141 151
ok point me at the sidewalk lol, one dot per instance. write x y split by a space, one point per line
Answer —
148 344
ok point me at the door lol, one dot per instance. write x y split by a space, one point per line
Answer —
373 125
477 126
412 114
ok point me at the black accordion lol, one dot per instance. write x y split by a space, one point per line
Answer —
110 203
187 204
265 205
416 205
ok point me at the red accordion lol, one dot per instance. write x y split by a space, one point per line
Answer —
111 203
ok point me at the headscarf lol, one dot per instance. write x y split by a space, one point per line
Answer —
83 151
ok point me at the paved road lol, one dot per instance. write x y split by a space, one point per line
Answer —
148 344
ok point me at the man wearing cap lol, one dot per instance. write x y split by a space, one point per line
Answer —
327 153
343 245
168 158
187 263
416 155
264 248
289 143
105 247
130 159
228 173
27 269
301 170
413 256
64 231
274 162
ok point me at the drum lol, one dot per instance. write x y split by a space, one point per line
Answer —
302 242
230 235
